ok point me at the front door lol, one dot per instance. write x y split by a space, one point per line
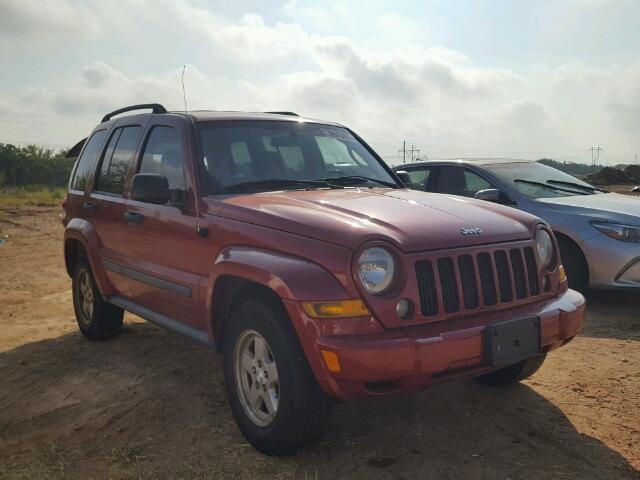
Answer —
164 250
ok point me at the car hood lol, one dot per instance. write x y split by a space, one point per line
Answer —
609 206
413 221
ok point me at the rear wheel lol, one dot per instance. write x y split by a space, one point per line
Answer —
97 319
575 265
512 373
274 397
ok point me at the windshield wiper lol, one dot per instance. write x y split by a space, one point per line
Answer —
550 187
277 183
355 179
577 185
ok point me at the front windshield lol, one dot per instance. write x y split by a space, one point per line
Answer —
535 180
255 156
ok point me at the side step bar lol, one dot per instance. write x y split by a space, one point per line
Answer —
161 320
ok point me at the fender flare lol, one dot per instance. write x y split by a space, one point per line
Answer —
82 231
291 278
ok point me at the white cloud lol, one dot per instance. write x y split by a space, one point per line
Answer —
435 97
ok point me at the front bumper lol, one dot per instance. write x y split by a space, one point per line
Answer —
612 264
410 358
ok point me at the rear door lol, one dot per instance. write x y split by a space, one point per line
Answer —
106 202
164 251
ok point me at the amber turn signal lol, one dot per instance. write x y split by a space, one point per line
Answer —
331 361
336 309
563 275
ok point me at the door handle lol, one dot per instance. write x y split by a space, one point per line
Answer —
132 217
89 206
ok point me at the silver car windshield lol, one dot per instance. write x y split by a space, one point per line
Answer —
535 180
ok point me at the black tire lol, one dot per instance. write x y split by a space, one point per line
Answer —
512 373
103 320
303 407
575 265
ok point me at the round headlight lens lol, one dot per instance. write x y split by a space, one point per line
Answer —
545 247
376 269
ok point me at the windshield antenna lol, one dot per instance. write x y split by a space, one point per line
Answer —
184 92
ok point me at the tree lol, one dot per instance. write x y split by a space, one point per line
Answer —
32 164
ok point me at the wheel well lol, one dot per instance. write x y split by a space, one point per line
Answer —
568 242
228 292
73 250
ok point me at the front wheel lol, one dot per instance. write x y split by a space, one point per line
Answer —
513 373
273 394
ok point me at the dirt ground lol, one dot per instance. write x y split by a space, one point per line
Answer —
150 404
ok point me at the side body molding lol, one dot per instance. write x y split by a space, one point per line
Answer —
82 231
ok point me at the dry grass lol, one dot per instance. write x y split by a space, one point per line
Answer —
41 195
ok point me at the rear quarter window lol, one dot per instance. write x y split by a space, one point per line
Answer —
87 160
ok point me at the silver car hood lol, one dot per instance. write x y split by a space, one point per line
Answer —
605 205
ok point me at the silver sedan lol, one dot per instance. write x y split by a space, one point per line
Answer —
598 232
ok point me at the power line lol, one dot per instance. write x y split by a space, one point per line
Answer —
414 152
595 155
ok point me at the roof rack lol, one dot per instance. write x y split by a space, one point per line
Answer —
293 114
155 108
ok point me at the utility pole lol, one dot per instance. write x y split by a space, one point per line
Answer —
595 155
414 152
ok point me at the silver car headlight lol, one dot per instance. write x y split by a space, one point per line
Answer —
624 233
544 245
376 269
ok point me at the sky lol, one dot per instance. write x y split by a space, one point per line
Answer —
454 78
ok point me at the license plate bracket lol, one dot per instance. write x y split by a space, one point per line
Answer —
511 341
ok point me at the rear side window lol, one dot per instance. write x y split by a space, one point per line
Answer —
117 160
87 160
163 155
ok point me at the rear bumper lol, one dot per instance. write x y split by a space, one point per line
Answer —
410 358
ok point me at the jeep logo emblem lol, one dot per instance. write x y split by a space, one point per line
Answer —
471 231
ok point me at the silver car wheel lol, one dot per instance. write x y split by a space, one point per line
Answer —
85 296
256 378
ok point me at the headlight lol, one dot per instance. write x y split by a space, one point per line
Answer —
376 269
545 247
625 233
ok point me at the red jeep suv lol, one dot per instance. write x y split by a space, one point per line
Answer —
288 245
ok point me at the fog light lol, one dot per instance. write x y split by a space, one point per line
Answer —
404 308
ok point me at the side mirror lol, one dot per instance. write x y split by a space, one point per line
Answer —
150 188
489 195
404 177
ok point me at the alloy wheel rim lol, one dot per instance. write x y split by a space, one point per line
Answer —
256 378
85 296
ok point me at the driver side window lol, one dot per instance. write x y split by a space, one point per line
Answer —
163 155
460 181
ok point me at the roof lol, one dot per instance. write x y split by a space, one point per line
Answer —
210 115
475 161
